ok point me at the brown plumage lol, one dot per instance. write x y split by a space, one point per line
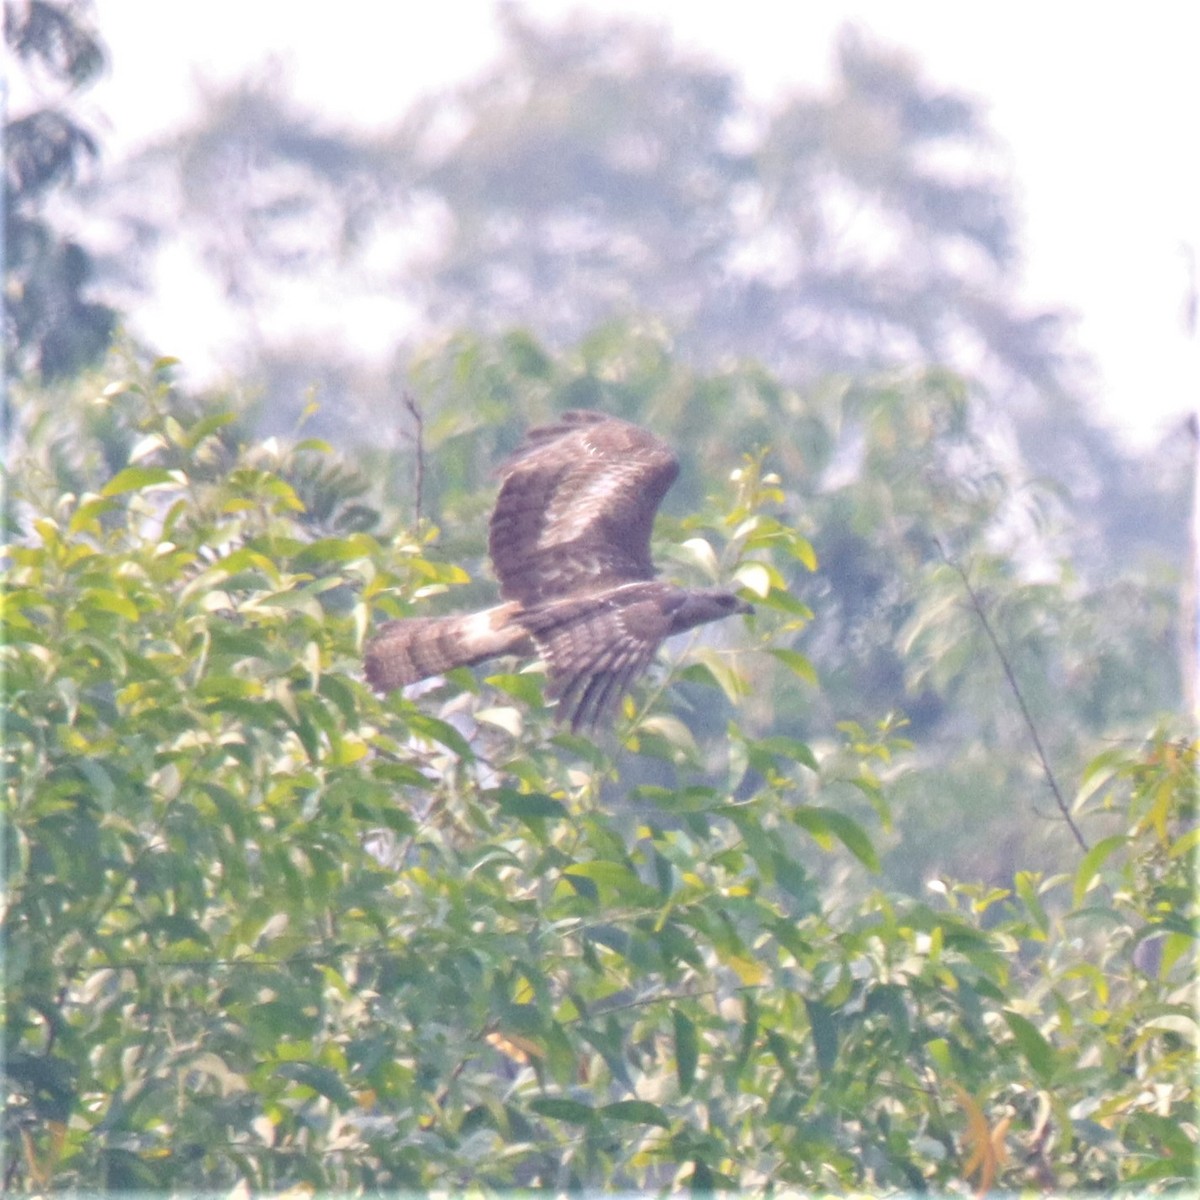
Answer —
570 543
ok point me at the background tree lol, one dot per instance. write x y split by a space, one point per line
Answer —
597 172
52 327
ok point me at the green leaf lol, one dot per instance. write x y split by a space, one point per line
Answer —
585 888
748 1038
1036 1050
504 717
636 1112
617 878
1170 1135
695 798
321 1079
1093 860
86 518
940 1055
786 602
110 601
802 549
796 663
439 731
141 479
205 426
789 748
686 1050
526 687
525 805
821 822
712 669
1025 883
559 1109
331 551
672 730
824 1033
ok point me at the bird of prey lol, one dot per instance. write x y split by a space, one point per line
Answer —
570 544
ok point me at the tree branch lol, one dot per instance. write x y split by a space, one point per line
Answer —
1010 675
419 440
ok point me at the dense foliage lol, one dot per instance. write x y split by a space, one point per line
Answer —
265 929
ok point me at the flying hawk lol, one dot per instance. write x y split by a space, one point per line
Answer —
570 544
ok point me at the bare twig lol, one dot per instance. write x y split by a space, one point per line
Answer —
1010 675
419 441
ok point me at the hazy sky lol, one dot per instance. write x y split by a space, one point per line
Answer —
1096 104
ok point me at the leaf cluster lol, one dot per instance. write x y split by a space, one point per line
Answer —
264 929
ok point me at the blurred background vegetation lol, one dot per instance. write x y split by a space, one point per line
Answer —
815 306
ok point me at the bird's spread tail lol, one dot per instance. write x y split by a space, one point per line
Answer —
405 651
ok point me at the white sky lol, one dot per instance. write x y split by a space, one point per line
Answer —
1097 105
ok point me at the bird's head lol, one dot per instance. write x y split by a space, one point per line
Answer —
701 605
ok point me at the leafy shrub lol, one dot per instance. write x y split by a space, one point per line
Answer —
266 929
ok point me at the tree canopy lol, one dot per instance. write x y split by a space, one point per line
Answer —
597 172
265 929
51 326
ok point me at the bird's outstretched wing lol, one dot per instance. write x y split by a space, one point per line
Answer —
596 645
576 508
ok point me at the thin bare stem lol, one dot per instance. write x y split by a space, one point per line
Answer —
1010 675
419 441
